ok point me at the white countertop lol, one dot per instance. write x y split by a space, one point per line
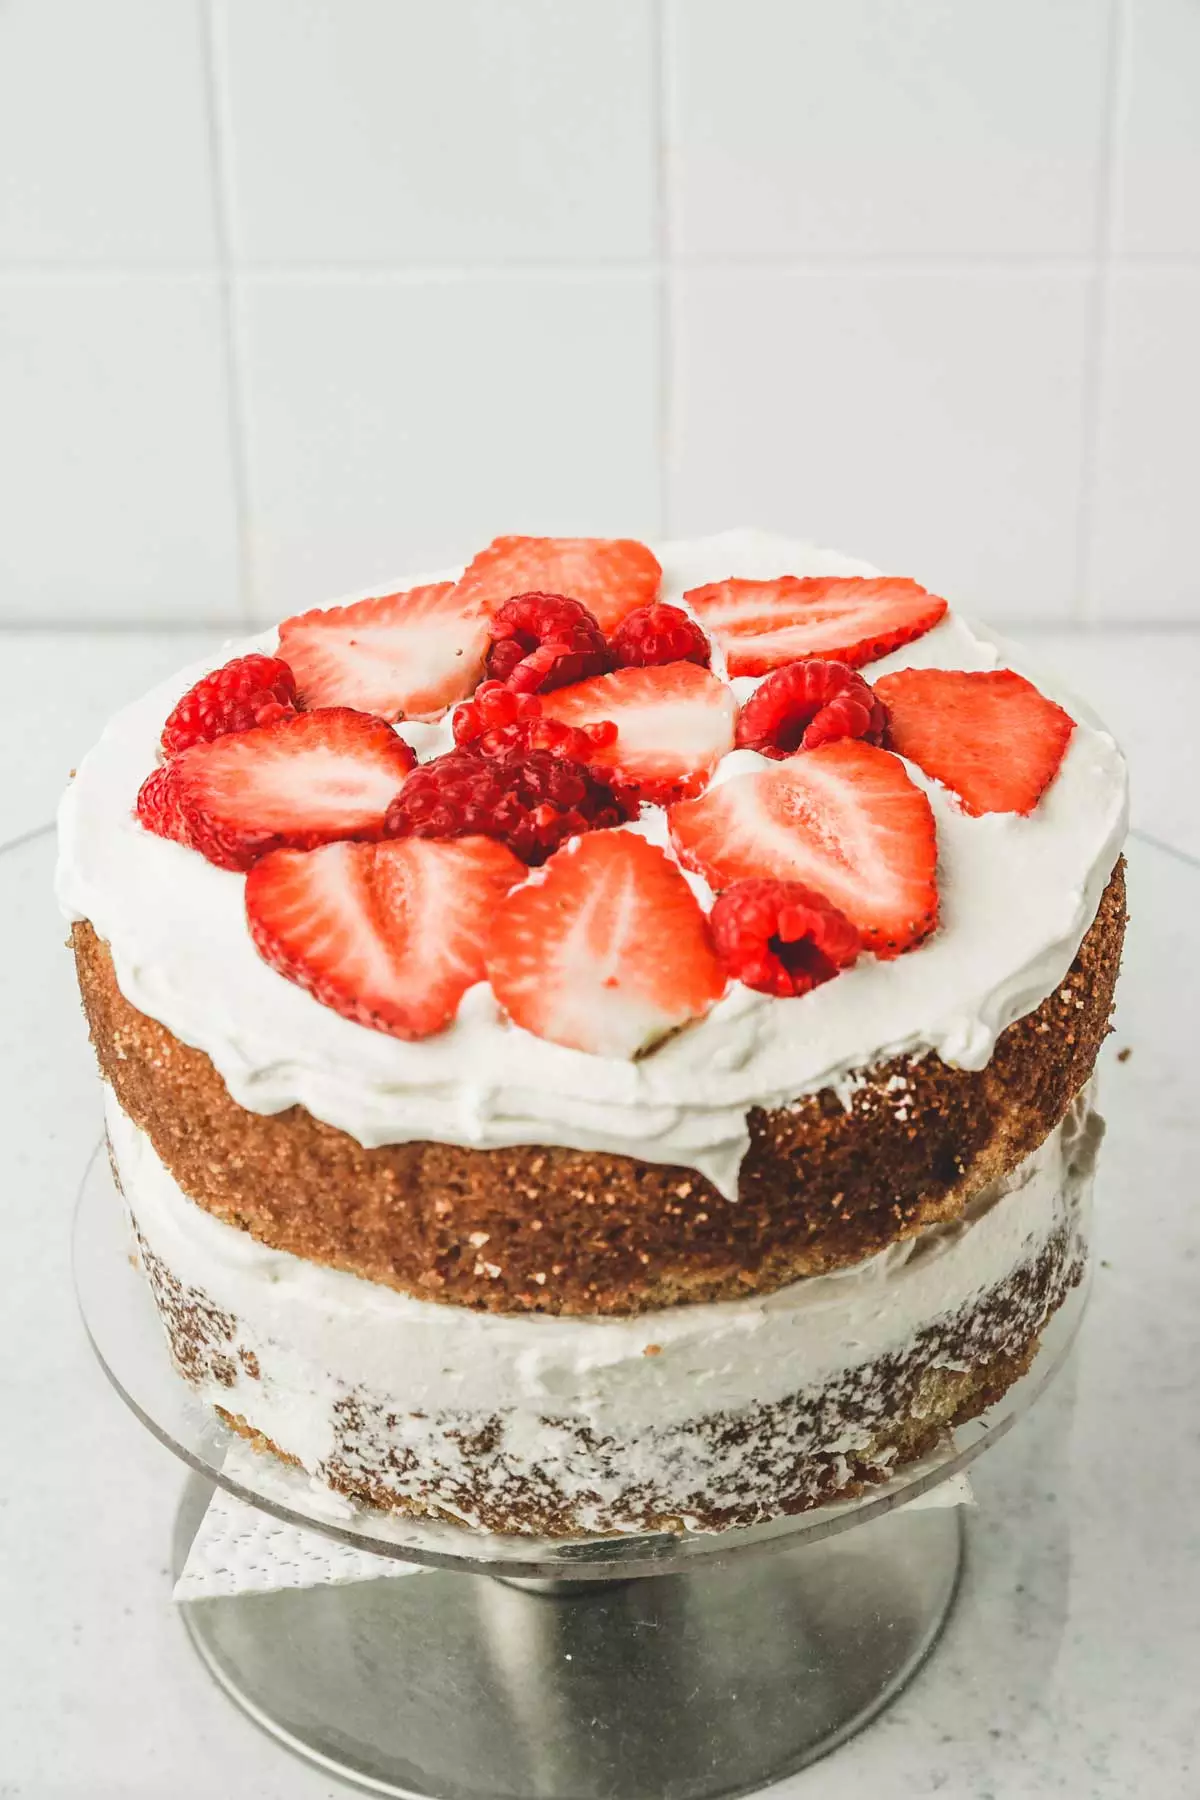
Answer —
1070 1663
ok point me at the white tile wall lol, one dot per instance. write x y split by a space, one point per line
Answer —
1145 560
295 293
104 142
886 126
930 419
398 424
1158 187
116 496
399 132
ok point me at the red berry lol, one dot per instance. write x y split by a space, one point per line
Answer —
532 801
673 723
496 719
987 734
610 575
399 656
251 690
308 779
781 937
809 703
158 808
492 707
544 641
608 952
658 634
844 819
761 625
390 935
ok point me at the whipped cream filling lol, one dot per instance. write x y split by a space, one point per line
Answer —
318 1334
1017 895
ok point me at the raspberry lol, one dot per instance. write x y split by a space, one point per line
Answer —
544 641
251 690
492 707
809 703
496 719
158 808
659 634
530 800
781 937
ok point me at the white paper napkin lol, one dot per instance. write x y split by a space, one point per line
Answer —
239 1549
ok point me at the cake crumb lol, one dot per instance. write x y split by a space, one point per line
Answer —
1124 1054
652 1350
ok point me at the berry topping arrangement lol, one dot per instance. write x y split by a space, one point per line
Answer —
572 834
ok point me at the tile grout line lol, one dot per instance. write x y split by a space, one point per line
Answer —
235 408
28 837
1083 609
936 262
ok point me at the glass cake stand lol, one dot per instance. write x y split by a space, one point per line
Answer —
649 1667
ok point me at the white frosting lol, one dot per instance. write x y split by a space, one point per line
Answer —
318 1334
1017 895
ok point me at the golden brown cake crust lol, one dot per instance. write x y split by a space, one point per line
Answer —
556 1230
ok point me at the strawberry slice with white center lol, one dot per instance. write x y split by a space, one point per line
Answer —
844 819
988 734
302 781
401 656
853 619
608 952
674 723
390 935
611 576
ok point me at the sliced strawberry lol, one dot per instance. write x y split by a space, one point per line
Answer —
611 576
390 935
403 656
987 734
674 721
844 819
852 618
303 781
608 952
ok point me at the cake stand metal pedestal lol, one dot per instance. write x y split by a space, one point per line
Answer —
683 1686
655 1667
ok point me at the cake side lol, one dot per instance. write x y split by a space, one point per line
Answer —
826 1182
705 1416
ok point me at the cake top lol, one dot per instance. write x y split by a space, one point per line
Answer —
592 846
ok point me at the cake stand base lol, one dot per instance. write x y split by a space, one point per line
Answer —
683 1687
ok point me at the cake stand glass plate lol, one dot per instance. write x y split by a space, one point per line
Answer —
516 1668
